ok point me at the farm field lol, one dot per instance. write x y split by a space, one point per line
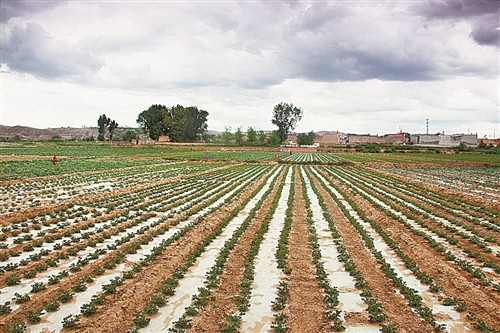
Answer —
120 239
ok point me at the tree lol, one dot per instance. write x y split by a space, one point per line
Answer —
463 146
238 137
251 135
306 139
226 137
185 124
274 139
129 135
285 116
113 125
181 124
102 123
151 120
261 137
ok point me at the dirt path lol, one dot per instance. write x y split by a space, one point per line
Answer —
306 309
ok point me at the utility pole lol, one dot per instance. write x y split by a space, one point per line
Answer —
427 126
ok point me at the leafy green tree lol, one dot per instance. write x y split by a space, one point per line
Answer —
274 139
185 124
181 124
113 125
262 137
227 136
102 123
285 116
210 138
238 136
306 139
463 146
251 135
151 120
129 135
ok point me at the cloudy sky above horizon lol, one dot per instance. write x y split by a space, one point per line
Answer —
354 66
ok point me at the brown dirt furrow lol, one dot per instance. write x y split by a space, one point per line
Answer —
441 189
212 315
117 313
55 254
305 306
30 212
66 284
454 281
436 209
432 223
394 305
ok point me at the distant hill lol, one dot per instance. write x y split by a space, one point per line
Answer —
66 133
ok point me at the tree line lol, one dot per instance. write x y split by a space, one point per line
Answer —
189 124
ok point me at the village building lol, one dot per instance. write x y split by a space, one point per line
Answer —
396 139
444 140
327 139
493 142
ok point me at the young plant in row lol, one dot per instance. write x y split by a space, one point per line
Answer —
462 263
414 300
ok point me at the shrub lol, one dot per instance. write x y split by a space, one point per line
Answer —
5 308
15 327
141 320
21 298
51 305
37 286
12 280
33 316
65 296
71 321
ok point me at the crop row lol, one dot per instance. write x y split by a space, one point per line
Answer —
229 248
216 193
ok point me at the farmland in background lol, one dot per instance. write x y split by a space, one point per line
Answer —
192 238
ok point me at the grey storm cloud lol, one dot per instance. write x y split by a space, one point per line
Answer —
487 31
456 8
484 16
334 64
316 41
17 8
316 16
31 49
327 43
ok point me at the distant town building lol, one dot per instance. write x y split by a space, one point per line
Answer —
163 138
327 139
397 139
493 142
291 140
444 140
142 141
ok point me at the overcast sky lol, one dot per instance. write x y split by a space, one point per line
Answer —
354 66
